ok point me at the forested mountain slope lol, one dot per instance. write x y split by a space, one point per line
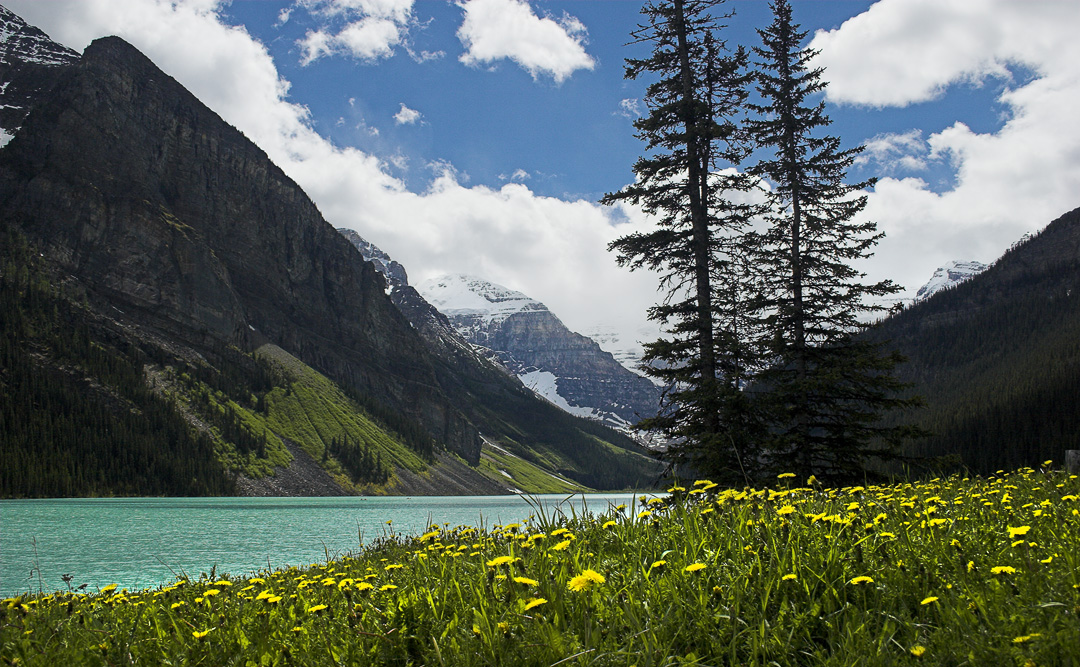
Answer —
997 358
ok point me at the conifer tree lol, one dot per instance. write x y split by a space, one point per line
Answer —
825 387
687 181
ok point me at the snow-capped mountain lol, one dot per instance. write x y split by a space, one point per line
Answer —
29 65
950 275
570 370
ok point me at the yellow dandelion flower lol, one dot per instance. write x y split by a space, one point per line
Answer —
586 580
264 595
609 524
658 564
394 566
364 586
917 651
1018 531
785 510
1003 569
223 582
527 581
317 608
177 605
861 580
257 580
108 589
970 565
561 545
643 514
200 634
211 592
273 599
387 587
694 567
1026 638
929 600
1047 560
788 577
501 560
534 603
559 531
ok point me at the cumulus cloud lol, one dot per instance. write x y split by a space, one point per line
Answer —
498 29
1009 181
372 28
551 249
891 152
407 116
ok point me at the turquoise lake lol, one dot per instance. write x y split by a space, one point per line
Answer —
143 542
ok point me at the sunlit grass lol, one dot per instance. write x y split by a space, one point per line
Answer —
975 571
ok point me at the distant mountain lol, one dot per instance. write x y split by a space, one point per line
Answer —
30 63
155 262
950 275
997 358
568 369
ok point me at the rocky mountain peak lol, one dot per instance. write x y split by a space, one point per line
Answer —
950 275
24 43
393 271
30 65
470 296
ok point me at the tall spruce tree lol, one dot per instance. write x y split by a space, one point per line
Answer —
826 388
687 181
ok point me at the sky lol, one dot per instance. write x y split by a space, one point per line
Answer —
477 136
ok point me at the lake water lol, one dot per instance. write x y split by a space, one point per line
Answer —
144 542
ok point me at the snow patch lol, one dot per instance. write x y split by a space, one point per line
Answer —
545 384
461 294
950 275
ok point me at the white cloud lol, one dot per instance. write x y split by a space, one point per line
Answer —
630 108
518 176
497 29
891 151
407 116
373 28
551 249
1009 181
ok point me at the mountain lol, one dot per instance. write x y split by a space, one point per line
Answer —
156 261
950 275
29 65
997 358
568 369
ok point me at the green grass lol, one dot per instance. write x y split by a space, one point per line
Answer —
956 571
523 475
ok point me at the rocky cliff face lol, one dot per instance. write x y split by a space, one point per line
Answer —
567 368
161 211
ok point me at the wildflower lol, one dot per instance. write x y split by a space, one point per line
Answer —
785 510
1003 569
785 475
200 634
918 651
970 565
658 564
609 524
222 583
534 602
211 592
364 586
501 560
694 567
561 545
527 581
643 514
264 595
108 589
387 587
273 599
929 600
559 531
861 580
1047 560
394 566
177 605
586 580
1019 531
1026 638
257 580
788 577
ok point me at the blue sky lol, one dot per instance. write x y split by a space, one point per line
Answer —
476 136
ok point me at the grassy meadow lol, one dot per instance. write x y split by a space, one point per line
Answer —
953 571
